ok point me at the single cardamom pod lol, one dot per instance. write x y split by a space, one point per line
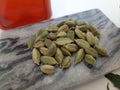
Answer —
48 60
52 49
47 69
30 42
101 50
61 34
79 56
52 28
89 59
71 34
70 23
80 34
36 56
65 51
83 28
52 36
79 23
48 42
66 62
63 41
71 47
42 36
59 56
82 43
39 44
39 32
61 23
43 50
94 30
96 40
64 28
90 38
91 51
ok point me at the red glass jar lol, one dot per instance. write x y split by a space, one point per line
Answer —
14 13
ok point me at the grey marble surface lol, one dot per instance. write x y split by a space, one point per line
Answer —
18 72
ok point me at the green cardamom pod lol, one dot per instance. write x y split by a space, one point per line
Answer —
59 56
48 60
94 30
64 28
96 41
71 34
39 44
66 62
101 50
42 36
52 49
52 28
48 42
79 23
52 36
83 28
65 51
89 59
90 38
92 52
30 42
70 23
82 43
61 34
36 56
47 69
79 56
43 50
71 47
39 32
80 34
61 23
63 41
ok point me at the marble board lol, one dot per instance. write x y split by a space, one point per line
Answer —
18 72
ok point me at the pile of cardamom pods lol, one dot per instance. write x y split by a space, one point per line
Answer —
54 46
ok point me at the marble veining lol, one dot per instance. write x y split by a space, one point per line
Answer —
18 72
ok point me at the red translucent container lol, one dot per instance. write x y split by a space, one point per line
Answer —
14 13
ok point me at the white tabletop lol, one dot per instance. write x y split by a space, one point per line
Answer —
111 8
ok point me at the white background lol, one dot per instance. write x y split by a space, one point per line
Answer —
111 8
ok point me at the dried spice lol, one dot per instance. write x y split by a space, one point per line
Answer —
71 47
52 49
65 51
63 41
30 42
39 44
89 59
47 69
59 56
66 62
48 60
71 34
90 38
43 50
64 28
55 45
36 56
80 34
101 50
79 56
92 52
82 43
